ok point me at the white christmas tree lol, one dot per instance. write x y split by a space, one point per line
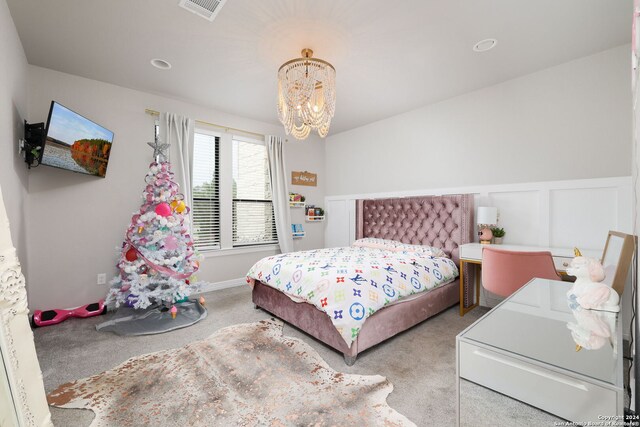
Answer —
157 260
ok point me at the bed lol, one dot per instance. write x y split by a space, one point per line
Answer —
443 222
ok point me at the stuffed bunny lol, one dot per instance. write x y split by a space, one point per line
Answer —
588 290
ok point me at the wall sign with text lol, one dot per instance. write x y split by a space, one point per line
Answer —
304 178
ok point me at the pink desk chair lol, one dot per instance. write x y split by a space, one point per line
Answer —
504 272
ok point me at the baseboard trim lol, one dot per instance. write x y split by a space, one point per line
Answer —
233 283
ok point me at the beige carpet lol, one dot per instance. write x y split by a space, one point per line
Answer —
420 363
246 374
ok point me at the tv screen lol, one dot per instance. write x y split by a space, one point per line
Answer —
76 143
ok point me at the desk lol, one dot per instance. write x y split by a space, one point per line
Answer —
523 349
471 253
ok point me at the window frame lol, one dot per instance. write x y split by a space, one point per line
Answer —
217 148
234 200
226 199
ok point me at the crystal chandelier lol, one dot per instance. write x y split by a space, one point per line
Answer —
306 95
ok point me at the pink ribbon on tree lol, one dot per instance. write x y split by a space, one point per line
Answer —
162 269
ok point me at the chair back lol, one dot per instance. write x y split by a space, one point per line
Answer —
504 272
617 258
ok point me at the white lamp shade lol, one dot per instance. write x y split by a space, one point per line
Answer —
487 216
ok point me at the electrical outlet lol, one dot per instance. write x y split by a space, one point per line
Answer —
102 278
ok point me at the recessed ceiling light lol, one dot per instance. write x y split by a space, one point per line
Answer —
160 63
485 45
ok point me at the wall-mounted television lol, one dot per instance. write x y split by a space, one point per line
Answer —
76 143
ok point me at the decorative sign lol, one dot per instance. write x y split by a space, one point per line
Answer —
304 178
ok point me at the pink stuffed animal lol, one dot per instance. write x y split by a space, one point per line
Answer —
588 289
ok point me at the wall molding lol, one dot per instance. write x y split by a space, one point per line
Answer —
225 284
489 188
532 213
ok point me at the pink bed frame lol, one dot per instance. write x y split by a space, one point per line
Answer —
441 221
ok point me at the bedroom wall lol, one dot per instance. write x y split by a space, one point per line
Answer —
572 121
77 221
13 109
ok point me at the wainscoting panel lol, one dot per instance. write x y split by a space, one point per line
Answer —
516 208
582 217
558 213
338 223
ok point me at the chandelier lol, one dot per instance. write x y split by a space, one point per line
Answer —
306 95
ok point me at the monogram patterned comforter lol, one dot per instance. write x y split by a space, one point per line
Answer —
352 283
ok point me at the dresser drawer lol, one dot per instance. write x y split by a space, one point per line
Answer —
562 395
561 263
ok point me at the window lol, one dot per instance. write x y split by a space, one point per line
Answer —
232 203
206 192
253 217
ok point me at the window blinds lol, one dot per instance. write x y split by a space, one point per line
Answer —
253 216
205 211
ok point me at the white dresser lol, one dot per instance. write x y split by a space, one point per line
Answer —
524 349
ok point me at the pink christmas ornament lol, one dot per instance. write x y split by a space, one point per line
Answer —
158 231
163 209
171 243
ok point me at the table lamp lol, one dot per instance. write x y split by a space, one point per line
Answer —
487 217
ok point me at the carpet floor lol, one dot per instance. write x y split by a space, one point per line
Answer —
420 363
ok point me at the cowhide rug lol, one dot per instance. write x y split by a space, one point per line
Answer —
247 374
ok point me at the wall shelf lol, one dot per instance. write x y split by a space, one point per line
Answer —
297 231
315 218
296 204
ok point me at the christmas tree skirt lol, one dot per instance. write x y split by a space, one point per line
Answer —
157 258
247 374
153 320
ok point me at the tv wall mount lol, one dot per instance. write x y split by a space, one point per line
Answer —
32 146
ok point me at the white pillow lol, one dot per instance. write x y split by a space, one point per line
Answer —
394 246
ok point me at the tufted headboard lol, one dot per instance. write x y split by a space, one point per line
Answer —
441 221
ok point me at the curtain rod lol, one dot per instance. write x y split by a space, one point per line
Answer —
226 128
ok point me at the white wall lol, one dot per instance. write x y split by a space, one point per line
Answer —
571 121
13 110
77 221
310 158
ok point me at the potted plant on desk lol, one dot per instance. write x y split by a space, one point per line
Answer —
498 235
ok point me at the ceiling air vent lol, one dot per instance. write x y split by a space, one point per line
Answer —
208 9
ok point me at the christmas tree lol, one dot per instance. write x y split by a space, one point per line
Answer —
157 260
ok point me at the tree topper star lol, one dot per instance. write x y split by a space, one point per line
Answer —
159 150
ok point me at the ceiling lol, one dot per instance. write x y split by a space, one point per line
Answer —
390 56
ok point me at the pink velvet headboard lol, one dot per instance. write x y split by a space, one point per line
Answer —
441 221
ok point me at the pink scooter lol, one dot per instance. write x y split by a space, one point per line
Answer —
53 317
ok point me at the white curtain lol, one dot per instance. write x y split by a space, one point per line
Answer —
178 131
277 170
